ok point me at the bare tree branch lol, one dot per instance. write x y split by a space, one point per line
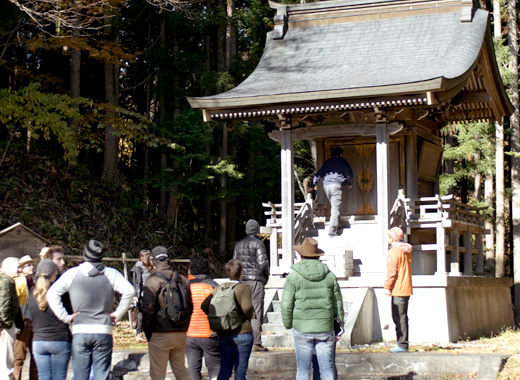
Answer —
64 14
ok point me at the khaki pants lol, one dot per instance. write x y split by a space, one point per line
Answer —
22 344
7 351
164 348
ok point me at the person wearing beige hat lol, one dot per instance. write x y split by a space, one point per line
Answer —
311 300
398 284
23 342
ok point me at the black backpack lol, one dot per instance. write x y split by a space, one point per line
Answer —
178 307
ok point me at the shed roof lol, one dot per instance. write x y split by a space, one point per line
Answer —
348 51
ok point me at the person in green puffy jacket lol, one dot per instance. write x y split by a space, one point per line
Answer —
311 299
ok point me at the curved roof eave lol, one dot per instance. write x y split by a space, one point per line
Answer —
433 85
402 56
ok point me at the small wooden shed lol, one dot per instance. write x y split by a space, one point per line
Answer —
19 240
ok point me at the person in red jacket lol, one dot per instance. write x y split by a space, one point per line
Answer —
398 284
201 341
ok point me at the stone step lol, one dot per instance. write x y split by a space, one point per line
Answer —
274 329
278 340
274 317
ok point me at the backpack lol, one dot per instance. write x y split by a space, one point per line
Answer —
223 314
178 307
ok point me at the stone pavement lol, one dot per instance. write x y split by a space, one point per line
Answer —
134 365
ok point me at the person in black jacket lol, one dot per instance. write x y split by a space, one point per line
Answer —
166 340
140 272
251 252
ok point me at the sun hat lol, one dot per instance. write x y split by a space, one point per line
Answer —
309 248
396 233
26 260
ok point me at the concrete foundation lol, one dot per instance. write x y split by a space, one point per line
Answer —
443 309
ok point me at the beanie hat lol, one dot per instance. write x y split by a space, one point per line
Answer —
252 227
46 268
160 253
396 233
93 251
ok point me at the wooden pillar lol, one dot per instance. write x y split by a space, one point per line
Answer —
319 160
273 248
479 267
287 159
455 253
411 164
441 250
468 263
382 182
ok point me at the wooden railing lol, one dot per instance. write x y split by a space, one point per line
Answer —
303 220
451 220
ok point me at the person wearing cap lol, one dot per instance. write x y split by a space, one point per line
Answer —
9 311
166 340
398 284
337 174
91 287
23 342
251 252
51 343
311 300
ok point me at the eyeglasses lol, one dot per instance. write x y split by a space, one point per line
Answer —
28 265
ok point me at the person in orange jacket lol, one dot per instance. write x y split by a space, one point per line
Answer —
398 284
201 341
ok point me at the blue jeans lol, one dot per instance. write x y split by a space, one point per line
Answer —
52 358
91 350
235 351
320 344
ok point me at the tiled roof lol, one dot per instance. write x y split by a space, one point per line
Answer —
350 50
359 55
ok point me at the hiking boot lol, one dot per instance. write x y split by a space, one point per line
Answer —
259 347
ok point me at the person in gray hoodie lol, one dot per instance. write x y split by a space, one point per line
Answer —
91 287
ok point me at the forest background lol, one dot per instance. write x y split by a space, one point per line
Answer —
98 141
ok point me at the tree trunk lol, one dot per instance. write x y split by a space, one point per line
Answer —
231 43
497 21
500 200
173 201
110 173
515 161
151 111
490 226
163 196
478 176
223 185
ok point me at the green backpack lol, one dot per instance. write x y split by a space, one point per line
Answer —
223 312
